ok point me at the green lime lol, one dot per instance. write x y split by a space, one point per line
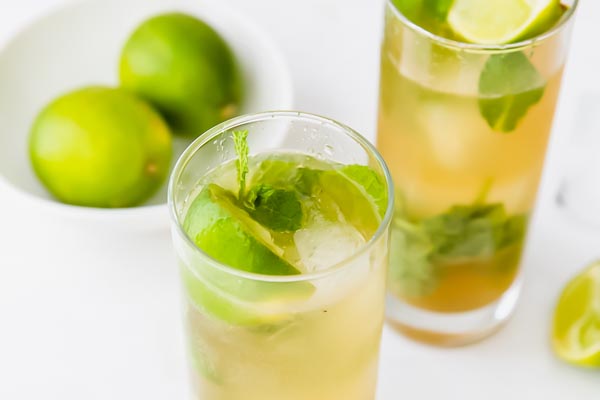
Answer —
185 69
228 234
356 190
576 327
100 147
371 182
502 21
353 192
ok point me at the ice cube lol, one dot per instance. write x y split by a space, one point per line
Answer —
327 243
456 131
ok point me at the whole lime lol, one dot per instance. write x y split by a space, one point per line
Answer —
185 69
100 147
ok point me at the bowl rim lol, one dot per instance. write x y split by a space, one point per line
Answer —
243 22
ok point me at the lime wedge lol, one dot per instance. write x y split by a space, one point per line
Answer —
355 194
576 330
371 182
227 233
502 21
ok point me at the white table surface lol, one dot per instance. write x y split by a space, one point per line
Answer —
83 316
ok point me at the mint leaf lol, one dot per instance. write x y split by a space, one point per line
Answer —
473 232
276 209
477 231
305 180
509 86
286 174
412 273
240 141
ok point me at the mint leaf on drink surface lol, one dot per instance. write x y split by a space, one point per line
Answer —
509 86
276 209
240 141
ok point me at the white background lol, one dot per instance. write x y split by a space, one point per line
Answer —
83 317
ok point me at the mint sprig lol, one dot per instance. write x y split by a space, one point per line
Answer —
240 141
275 208
464 232
477 231
509 86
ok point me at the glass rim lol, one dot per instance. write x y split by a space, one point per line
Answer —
228 125
491 48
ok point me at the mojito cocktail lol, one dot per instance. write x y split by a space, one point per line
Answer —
281 225
468 93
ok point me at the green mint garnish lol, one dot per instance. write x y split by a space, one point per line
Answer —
240 141
477 231
464 232
276 209
509 86
412 271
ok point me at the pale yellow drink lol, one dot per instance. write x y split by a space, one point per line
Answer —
329 351
442 153
464 130
283 307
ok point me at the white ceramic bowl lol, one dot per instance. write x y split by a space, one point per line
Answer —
79 44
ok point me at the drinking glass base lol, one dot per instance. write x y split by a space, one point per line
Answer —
451 329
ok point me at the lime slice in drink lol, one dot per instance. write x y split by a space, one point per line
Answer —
576 328
371 182
357 192
502 21
227 233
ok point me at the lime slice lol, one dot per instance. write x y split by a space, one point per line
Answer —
576 330
228 234
357 190
358 203
502 21
371 182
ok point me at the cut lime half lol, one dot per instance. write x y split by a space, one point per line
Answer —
502 21
576 330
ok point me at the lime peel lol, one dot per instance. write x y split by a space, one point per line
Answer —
502 21
576 326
